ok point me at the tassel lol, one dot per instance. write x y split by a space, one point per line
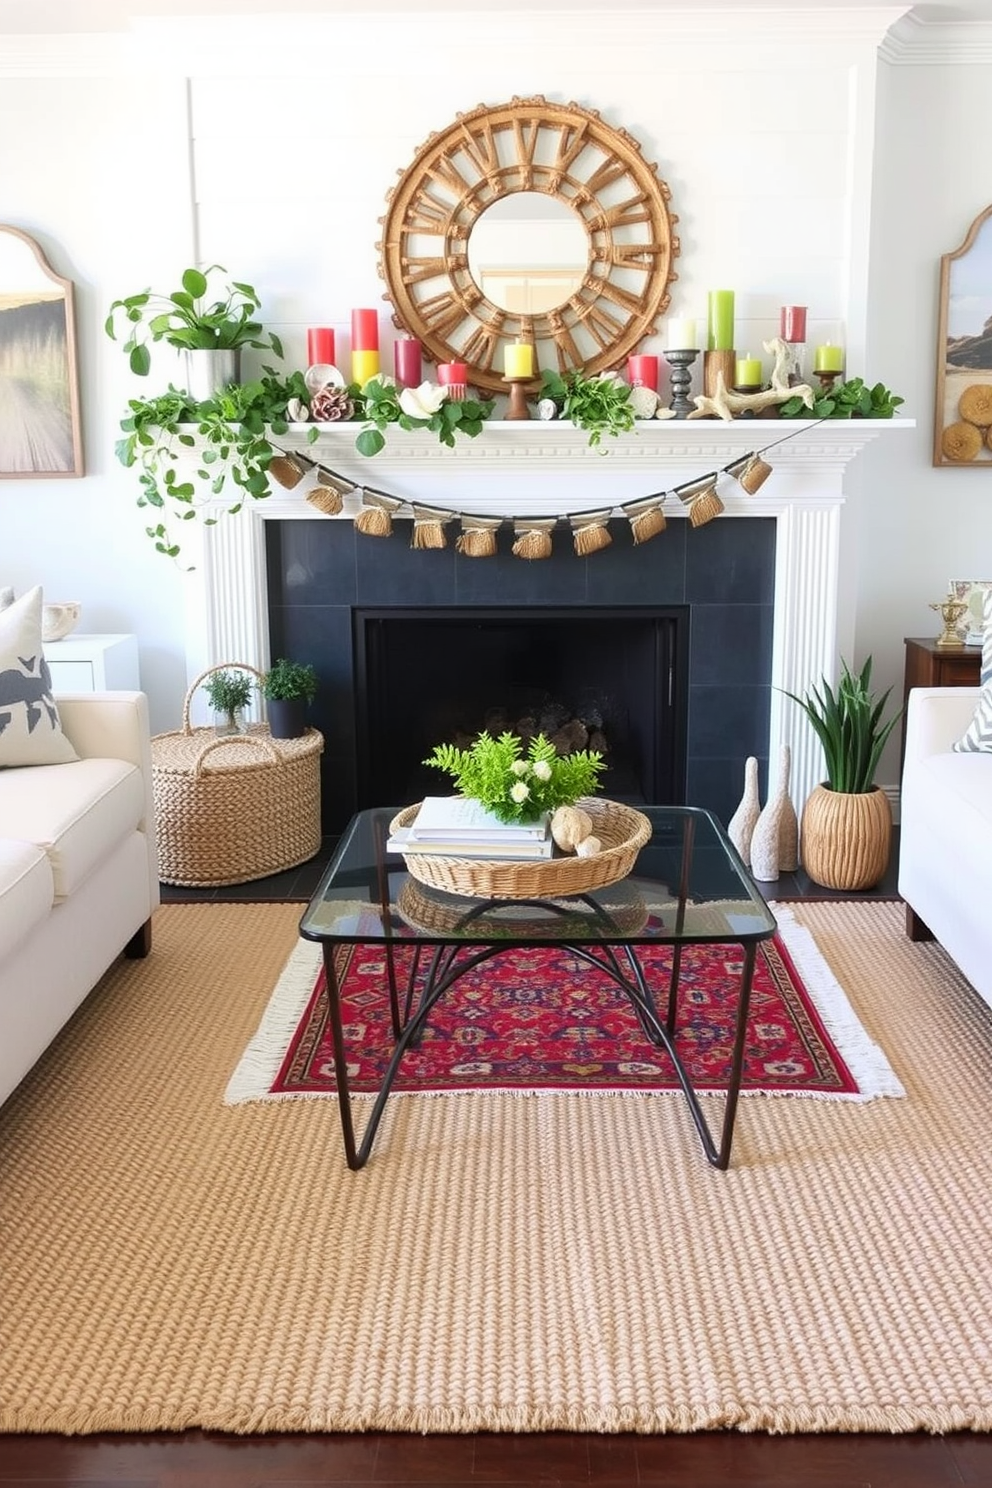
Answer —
646 517
428 527
289 470
335 482
534 537
590 532
375 518
478 536
328 502
754 474
704 506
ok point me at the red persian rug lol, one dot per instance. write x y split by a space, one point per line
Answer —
542 1019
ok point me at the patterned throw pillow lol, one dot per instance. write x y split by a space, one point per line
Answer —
30 729
978 738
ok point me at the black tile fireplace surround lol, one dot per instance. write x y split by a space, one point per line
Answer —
325 581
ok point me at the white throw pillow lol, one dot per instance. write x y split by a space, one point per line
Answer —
978 738
30 728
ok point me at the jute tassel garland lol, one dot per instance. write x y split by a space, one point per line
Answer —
428 527
646 517
534 538
289 470
375 518
329 493
591 533
754 474
478 536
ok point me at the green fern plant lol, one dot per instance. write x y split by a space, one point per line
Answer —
516 787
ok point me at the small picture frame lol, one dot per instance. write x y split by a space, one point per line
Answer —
972 592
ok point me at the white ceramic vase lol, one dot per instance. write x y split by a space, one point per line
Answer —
774 842
740 828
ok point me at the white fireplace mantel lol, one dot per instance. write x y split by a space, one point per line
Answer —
534 468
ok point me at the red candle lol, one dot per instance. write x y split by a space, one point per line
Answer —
408 362
452 374
642 371
320 347
792 323
365 330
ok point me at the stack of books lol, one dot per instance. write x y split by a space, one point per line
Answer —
457 827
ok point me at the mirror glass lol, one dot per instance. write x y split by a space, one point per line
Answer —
528 252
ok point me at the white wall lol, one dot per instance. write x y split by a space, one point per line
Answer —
295 131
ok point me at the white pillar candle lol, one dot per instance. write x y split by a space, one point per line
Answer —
682 335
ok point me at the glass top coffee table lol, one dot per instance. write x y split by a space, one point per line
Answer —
688 887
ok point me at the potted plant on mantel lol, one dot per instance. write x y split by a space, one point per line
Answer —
846 830
289 687
210 331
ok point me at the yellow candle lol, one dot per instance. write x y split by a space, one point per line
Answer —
747 372
829 358
364 364
518 360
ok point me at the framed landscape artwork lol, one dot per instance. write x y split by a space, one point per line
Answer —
39 388
963 422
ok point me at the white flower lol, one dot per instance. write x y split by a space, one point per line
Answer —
542 769
520 767
519 792
422 402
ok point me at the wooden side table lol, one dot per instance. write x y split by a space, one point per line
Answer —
930 665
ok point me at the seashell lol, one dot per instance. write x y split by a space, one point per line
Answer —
644 401
588 847
297 411
666 413
975 404
569 825
961 441
323 375
547 409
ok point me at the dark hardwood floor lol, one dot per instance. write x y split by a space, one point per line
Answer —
197 1459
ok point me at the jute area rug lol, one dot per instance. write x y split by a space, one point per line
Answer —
503 1263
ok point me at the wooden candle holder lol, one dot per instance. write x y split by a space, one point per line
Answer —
715 363
518 408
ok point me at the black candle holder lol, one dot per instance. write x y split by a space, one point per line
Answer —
680 365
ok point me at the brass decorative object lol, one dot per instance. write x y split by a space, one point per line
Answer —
950 611
569 155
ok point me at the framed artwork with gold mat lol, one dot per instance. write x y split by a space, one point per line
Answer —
963 415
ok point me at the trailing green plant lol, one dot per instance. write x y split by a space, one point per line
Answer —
289 681
851 399
516 787
229 692
189 452
190 319
599 404
380 403
848 723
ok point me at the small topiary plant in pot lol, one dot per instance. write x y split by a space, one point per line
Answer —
289 687
229 694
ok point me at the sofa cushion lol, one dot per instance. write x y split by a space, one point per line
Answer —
30 728
978 736
76 813
26 891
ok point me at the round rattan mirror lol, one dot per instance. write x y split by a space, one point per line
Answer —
588 310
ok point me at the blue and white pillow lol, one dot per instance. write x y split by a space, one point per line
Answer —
978 736
30 727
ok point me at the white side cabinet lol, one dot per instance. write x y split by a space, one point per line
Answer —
93 663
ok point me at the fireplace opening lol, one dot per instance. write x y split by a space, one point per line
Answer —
608 679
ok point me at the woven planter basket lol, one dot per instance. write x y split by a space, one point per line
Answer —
846 839
233 808
622 831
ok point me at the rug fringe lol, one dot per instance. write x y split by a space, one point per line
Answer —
872 1071
264 1055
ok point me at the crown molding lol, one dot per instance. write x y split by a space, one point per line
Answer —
915 42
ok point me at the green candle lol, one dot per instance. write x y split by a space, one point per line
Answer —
747 373
829 358
720 319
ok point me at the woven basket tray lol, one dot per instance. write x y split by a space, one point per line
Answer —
232 808
421 908
622 831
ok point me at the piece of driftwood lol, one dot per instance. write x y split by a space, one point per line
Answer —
726 404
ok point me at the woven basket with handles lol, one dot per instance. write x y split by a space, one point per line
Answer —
237 807
621 830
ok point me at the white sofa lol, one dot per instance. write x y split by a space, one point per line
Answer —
78 871
945 835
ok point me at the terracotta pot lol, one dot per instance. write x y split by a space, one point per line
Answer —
846 839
